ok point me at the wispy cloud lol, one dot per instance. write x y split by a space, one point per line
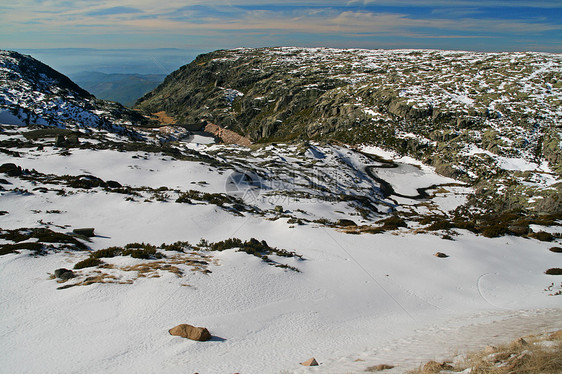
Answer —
231 23
114 11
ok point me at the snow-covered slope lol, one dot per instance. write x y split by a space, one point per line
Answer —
354 255
33 93
351 301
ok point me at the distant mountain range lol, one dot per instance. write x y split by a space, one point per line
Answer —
125 89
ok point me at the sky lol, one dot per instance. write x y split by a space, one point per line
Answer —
111 35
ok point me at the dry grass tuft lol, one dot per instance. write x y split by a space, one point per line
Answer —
541 354
164 118
179 264
380 367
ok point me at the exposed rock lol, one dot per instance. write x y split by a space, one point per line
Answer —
346 223
11 170
64 274
87 232
388 99
227 136
191 332
113 184
518 230
61 141
440 255
310 362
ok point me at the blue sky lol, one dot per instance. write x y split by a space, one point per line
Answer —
191 27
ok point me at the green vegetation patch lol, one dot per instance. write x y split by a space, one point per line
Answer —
51 132
256 248
38 240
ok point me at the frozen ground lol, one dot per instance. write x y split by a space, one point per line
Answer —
357 301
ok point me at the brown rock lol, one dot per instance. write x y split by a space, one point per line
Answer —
200 334
441 255
310 362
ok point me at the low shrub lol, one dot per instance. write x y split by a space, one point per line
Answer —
542 236
226 244
11 248
142 251
88 263
178 246
256 248
43 235
494 231
440 225
393 223
107 252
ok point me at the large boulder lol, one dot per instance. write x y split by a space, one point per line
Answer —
87 232
64 274
200 334
11 169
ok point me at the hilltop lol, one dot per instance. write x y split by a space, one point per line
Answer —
32 93
488 119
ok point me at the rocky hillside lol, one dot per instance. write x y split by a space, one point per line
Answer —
32 93
412 101
474 116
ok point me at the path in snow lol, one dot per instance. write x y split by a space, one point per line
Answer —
445 342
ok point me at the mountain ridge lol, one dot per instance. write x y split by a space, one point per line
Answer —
468 114
33 93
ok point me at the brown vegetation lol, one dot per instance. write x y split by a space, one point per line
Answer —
540 354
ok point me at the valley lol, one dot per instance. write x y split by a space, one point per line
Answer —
357 225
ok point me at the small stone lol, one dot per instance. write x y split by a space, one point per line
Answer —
310 362
441 255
